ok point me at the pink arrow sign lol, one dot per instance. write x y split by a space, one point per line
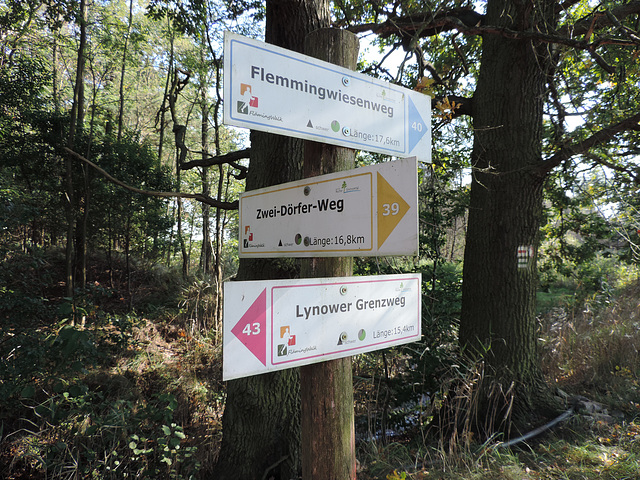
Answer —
251 329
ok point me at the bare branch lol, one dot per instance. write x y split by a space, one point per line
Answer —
199 197
229 158
600 20
471 23
598 138
601 61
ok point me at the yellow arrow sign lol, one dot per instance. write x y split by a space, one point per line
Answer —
391 209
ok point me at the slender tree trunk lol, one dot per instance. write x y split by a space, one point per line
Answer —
221 215
261 422
127 252
498 301
161 117
122 72
54 73
85 200
221 221
170 244
206 254
179 132
84 225
180 236
76 118
111 240
70 219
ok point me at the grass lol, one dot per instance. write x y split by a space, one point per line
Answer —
103 393
590 351
547 299
143 395
582 448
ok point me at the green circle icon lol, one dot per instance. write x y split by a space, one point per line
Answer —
362 334
335 126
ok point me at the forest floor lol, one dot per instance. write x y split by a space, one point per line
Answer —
93 391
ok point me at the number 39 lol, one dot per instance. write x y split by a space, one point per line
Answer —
390 209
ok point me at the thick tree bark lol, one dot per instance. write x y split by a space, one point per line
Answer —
261 423
328 434
498 301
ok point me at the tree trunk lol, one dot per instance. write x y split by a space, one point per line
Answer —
160 117
261 423
328 433
499 291
83 234
180 236
221 224
221 215
76 117
206 254
122 72
55 93
85 200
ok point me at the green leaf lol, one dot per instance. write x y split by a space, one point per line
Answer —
29 391
75 390
166 430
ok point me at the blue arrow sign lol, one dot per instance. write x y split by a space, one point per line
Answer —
417 126
275 90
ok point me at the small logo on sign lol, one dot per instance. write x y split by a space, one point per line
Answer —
289 341
344 188
247 100
285 334
247 237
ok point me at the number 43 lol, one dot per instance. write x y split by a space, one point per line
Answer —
251 329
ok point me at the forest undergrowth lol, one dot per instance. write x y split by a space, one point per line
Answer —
92 389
